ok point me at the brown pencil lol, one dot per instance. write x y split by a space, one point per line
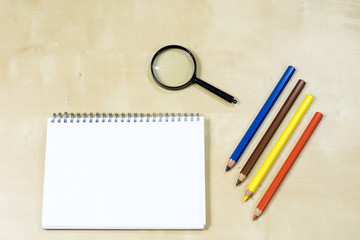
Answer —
271 130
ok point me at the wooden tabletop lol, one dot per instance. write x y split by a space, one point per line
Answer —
94 56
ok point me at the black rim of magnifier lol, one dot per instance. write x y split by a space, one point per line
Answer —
161 50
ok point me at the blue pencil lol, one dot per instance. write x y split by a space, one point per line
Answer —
260 117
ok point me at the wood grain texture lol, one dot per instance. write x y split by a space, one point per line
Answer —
93 56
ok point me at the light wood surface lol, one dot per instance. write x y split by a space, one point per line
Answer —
93 56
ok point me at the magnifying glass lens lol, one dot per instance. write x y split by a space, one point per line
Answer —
173 67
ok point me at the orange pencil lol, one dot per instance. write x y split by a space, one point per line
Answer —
287 165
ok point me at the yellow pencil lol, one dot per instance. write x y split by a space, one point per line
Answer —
278 146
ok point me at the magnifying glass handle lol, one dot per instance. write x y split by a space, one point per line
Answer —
215 90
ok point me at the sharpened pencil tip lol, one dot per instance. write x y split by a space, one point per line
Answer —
238 182
245 198
227 168
255 217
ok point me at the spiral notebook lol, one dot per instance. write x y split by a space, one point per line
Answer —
124 172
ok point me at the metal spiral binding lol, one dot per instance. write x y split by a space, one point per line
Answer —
65 117
122 117
60 117
54 117
72 117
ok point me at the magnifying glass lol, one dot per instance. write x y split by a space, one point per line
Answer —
173 67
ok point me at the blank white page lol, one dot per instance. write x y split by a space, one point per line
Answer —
124 175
